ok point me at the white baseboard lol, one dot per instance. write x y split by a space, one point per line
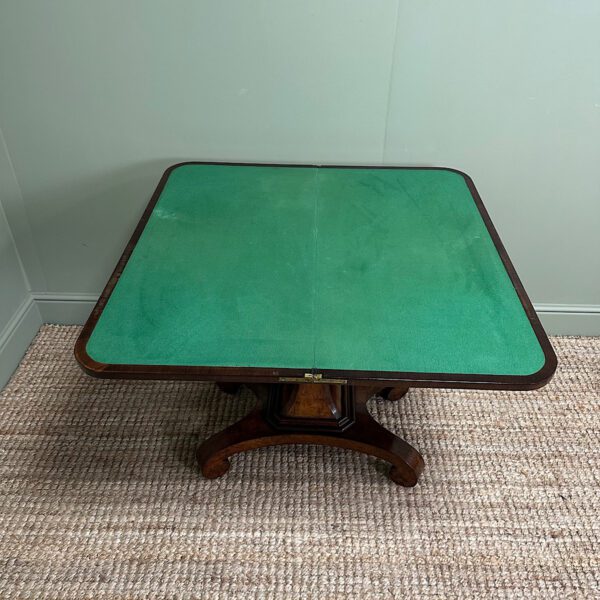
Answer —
564 319
16 337
65 309
74 309
558 319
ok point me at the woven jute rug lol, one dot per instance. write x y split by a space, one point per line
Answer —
100 496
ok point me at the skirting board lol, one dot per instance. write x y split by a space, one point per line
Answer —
561 319
558 319
16 337
65 309
74 309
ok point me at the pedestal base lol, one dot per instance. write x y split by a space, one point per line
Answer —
332 415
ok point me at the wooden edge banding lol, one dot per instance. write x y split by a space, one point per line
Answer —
270 375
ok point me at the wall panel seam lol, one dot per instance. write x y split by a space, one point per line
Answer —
34 247
390 85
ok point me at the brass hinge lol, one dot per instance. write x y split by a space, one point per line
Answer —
312 378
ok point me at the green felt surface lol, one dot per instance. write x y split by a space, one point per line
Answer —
324 268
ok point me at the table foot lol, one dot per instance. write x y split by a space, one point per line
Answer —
247 434
331 415
393 393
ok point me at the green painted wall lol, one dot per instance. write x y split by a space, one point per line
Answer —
13 286
97 98
19 315
510 92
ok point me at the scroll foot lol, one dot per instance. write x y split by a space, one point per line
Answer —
331 415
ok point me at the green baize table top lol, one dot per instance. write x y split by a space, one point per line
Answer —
317 268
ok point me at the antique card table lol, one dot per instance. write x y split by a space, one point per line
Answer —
317 287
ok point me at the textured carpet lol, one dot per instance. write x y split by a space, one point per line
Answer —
100 496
